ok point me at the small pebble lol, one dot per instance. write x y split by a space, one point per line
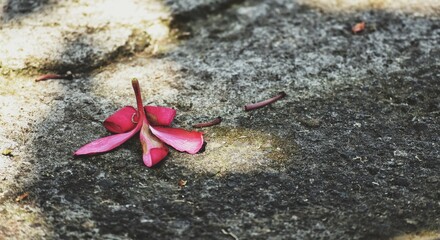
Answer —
310 122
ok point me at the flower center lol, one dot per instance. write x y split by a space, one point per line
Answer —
132 118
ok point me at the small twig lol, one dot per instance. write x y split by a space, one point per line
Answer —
261 104
230 234
68 76
213 122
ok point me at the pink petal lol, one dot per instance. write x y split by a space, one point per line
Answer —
162 116
155 156
180 139
122 120
110 142
153 149
106 144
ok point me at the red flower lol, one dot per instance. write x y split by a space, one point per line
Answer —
151 122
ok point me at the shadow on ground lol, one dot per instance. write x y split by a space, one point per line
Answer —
12 9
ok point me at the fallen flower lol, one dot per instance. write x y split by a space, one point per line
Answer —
358 27
128 121
261 104
213 122
68 76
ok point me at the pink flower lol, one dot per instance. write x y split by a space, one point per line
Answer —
151 122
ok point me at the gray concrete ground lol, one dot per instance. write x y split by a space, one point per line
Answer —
352 152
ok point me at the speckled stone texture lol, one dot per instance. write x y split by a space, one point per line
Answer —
352 151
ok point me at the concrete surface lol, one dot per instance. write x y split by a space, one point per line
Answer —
351 153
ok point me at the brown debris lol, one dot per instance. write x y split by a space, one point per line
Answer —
358 27
213 122
22 197
68 76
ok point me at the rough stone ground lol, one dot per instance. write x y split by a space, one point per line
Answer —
351 153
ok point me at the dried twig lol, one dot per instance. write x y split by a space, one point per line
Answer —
230 234
261 104
68 76
213 122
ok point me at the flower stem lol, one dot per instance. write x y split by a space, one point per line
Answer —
137 93
261 104
213 122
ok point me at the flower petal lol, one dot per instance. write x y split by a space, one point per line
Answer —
162 116
153 149
154 156
122 120
106 144
180 139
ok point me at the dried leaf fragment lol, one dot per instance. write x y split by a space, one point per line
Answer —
22 197
7 152
358 27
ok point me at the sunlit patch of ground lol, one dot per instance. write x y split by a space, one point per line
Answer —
237 150
23 105
79 33
423 7
424 235
17 218
157 78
